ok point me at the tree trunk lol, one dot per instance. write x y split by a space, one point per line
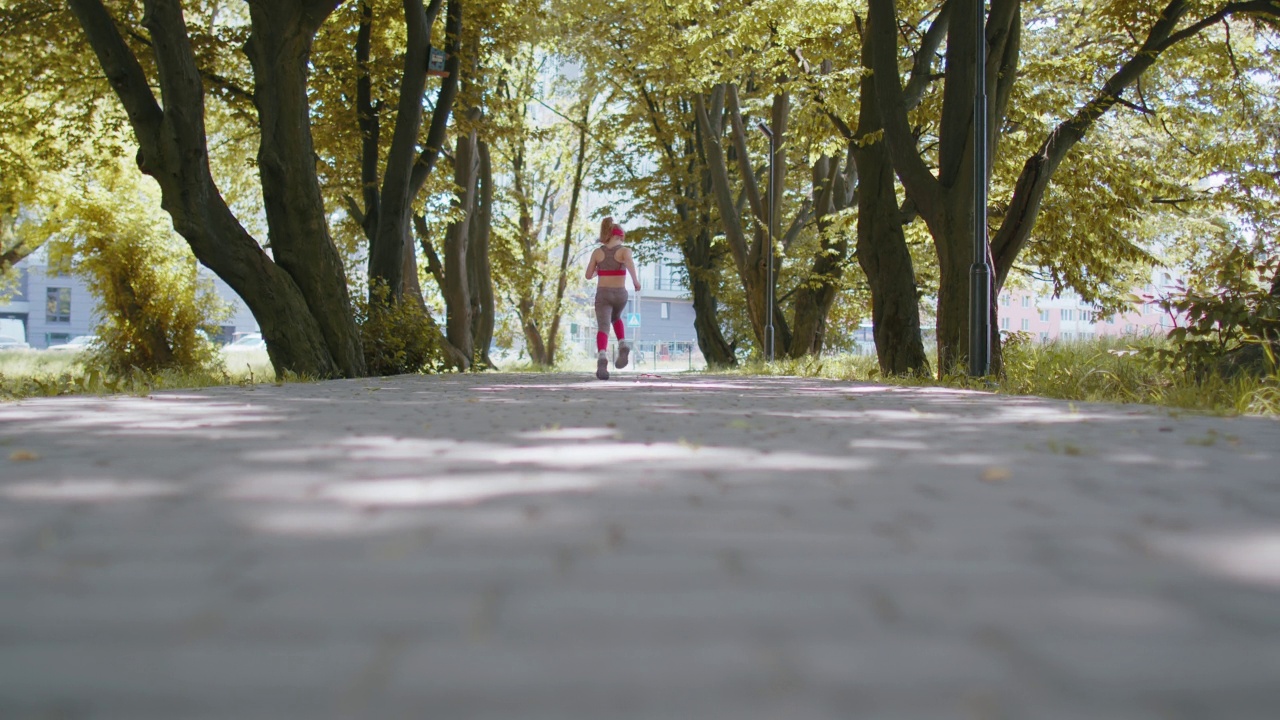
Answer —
813 300
749 257
886 261
279 48
882 246
386 248
481 280
456 289
700 264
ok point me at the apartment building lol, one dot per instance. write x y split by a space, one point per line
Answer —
49 307
1068 318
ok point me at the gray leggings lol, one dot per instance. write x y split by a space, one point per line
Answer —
610 302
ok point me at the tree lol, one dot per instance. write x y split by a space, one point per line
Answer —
53 121
545 161
942 196
385 212
655 154
298 293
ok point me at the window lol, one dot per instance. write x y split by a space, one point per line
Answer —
1026 324
1065 314
1128 328
1066 336
1044 316
51 339
1004 323
1044 337
657 277
1004 300
664 310
1086 316
57 305
1026 301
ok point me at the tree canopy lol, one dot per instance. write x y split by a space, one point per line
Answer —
304 153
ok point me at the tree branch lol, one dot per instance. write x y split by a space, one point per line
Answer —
720 184
123 71
434 145
369 123
433 260
919 182
749 186
922 66
798 223
1034 181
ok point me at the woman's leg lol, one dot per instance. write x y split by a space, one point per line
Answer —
604 312
619 329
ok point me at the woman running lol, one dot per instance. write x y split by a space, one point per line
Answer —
611 262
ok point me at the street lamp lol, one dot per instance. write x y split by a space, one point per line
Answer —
980 272
768 293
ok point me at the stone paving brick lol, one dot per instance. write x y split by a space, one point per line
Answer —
534 546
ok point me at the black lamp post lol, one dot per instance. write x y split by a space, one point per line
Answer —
980 273
768 293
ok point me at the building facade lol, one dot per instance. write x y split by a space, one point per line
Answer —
1068 318
47 307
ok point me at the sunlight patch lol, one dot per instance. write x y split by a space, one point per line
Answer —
453 490
91 490
1253 558
579 433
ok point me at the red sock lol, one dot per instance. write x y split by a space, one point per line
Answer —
619 329
602 341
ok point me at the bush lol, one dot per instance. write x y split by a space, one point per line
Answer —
1232 322
155 311
399 337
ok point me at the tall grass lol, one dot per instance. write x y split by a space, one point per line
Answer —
30 373
1118 370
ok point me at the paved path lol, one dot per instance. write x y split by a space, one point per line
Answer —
547 547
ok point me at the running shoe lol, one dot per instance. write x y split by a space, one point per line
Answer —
602 368
624 353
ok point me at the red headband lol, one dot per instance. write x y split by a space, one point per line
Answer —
617 231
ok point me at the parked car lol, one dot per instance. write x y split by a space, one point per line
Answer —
8 343
79 343
250 343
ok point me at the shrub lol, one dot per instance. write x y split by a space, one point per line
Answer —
399 337
1232 321
154 311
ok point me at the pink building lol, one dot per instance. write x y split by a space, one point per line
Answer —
1068 318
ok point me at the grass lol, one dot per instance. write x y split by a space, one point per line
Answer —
29 373
1103 370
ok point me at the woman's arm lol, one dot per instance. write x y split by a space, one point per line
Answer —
631 268
591 265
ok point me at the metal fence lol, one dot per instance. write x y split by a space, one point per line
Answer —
663 355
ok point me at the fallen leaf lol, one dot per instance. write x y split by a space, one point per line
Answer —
23 456
996 474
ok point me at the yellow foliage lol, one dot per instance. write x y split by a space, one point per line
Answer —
154 311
